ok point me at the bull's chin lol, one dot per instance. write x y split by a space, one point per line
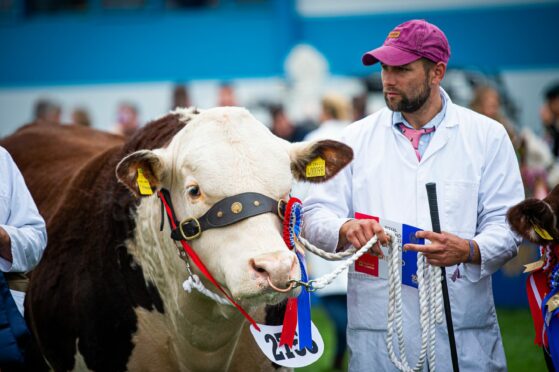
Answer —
262 297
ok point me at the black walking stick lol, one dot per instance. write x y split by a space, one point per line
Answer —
434 209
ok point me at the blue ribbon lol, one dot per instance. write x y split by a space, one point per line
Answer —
551 325
304 309
294 223
554 281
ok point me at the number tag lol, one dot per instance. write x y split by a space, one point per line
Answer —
268 341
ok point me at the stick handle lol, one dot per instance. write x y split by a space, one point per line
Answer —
435 222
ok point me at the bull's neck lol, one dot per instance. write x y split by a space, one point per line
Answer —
213 332
202 332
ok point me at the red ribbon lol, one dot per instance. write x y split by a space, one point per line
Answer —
289 323
188 249
287 222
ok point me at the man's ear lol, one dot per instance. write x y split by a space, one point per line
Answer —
141 172
318 161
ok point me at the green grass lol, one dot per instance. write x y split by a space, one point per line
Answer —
516 328
518 334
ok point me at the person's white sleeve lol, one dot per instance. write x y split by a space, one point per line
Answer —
20 218
500 188
326 208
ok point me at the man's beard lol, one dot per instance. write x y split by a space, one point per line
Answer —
410 105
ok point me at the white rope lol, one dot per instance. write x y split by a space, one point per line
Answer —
329 278
193 282
430 299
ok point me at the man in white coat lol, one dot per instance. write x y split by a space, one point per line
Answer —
422 137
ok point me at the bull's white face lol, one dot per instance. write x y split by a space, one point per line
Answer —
224 152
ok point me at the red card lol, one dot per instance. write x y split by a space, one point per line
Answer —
367 264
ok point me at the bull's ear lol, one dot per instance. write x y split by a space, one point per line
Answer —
318 161
141 172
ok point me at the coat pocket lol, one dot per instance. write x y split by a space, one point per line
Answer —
460 203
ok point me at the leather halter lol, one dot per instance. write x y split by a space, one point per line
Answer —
225 212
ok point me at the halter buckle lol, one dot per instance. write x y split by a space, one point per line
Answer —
198 227
281 206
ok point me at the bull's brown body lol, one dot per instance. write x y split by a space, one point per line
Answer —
84 293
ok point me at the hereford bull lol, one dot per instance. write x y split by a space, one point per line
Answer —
107 295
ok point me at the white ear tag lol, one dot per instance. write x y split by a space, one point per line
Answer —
268 341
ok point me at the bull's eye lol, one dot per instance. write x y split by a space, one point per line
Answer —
193 191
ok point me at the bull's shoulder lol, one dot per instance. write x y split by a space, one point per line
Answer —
49 156
157 133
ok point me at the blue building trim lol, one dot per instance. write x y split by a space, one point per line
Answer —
234 41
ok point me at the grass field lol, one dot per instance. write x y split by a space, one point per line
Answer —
516 328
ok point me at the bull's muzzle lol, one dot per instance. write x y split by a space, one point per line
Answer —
275 270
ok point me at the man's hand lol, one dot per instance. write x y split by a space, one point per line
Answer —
445 249
5 245
359 232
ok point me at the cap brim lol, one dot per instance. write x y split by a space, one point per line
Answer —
390 56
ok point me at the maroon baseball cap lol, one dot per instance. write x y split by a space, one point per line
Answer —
409 42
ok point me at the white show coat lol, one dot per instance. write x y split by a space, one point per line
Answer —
472 162
21 220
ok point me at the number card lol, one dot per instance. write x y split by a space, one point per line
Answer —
377 266
268 339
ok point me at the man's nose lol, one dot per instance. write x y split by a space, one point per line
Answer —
388 78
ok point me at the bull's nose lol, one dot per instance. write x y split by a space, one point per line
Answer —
274 268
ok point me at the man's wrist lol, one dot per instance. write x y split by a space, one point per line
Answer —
472 251
5 245
342 238
474 255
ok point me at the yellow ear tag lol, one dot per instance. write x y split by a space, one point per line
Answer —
143 183
316 168
542 233
528 268
553 303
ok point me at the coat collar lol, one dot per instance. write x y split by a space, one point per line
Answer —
444 131
450 119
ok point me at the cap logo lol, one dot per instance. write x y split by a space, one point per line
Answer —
394 35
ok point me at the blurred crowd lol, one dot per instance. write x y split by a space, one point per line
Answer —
537 155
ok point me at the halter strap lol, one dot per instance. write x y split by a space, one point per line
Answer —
225 212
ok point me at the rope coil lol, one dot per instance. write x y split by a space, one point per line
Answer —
430 299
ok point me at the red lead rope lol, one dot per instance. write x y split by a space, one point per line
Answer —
188 249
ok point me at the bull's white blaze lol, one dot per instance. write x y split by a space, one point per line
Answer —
226 152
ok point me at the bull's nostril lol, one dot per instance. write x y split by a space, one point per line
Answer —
257 267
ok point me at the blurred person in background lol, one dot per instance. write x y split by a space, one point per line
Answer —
283 127
359 106
181 98
487 101
80 116
127 119
226 95
47 112
549 114
334 117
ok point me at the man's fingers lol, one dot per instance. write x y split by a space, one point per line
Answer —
418 248
427 249
361 237
375 249
379 232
